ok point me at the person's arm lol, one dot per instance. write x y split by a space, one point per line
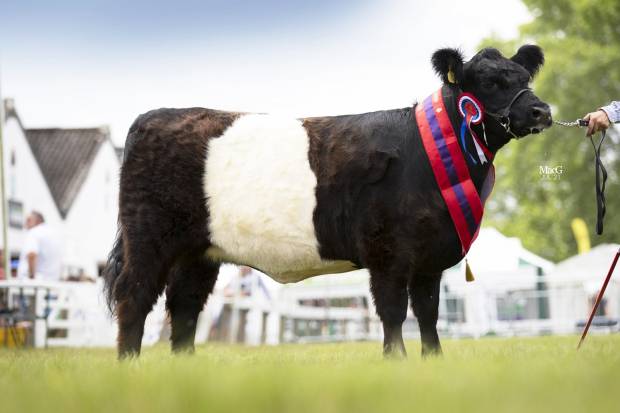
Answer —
32 264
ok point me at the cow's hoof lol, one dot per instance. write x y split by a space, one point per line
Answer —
431 352
128 355
394 352
187 350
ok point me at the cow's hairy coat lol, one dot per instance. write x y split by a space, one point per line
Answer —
260 193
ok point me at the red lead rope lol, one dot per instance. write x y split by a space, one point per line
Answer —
598 299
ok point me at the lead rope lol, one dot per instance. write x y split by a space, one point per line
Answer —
600 214
600 171
600 187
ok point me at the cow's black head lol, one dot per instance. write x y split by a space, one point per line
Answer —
495 81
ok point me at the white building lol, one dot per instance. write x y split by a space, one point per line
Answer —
70 176
508 296
331 307
574 285
26 187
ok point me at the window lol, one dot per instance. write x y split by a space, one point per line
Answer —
16 214
601 311
518 305
339 302
455 310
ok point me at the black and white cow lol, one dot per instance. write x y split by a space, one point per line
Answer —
295 198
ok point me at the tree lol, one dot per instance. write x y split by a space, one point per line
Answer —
581 41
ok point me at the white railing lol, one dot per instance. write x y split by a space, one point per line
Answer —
69 314
74 314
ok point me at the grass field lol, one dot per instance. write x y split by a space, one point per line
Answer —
488 375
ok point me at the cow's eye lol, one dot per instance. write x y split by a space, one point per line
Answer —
503 84
489 84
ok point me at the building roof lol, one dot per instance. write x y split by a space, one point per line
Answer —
589 266
493 251
499 262
65 157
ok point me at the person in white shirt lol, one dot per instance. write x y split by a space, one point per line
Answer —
40 255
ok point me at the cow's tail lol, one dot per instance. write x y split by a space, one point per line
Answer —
113 269
114 266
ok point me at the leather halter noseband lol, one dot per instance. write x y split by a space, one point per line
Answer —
503 117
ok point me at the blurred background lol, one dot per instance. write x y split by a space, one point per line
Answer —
75 74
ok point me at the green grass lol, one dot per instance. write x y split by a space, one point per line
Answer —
488 375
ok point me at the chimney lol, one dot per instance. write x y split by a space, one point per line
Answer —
9 105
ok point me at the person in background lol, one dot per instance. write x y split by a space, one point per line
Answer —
40 255
603 118
247 282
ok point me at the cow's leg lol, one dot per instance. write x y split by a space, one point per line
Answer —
150 248
424 293
140 283
389 291
189 284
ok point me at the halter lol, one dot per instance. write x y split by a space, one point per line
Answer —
503 117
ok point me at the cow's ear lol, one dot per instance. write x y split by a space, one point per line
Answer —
531 57
448 63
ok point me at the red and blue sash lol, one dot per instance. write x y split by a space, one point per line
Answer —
450 169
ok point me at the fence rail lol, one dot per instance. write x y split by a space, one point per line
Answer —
75 315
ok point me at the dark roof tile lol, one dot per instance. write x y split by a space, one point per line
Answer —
65 157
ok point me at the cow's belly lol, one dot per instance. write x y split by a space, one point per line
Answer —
260 194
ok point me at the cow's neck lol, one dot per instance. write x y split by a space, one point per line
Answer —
495 133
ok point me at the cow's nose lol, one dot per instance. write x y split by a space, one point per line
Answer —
541 114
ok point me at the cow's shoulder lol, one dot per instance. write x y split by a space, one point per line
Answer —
356 148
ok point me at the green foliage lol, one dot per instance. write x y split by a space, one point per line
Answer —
581 41
487 375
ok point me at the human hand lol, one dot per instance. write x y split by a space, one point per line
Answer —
597 121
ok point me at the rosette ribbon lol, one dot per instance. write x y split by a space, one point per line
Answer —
472 112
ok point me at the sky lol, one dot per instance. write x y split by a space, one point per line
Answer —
71 63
